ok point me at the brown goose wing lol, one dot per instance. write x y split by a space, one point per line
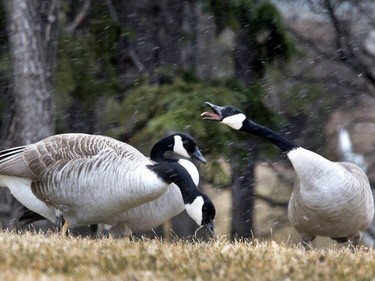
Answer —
12 163
32 160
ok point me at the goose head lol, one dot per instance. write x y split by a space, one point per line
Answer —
202 211
234 118
228 115
178 143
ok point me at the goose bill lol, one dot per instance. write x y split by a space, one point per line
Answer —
209 227
215 115
198 155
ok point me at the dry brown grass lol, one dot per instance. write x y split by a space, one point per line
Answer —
51 257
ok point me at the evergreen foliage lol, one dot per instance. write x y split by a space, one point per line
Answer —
86 62
149 112
263 25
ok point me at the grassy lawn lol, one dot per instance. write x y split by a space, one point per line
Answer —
52 257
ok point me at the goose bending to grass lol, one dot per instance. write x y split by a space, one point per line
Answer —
331 199
154 213
88 179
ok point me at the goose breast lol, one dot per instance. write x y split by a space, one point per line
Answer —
336 210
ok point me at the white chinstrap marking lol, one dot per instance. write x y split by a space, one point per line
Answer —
234 121
179 147
194 209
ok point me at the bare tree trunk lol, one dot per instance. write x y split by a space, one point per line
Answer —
190 49
244 55
243 184
243 179
32 36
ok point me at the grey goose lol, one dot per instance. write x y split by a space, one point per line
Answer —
90 179
331 199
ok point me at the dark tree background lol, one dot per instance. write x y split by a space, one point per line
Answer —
32 30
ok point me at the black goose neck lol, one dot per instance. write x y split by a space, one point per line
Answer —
284 144
160 148
172 172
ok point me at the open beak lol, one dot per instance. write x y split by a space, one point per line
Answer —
215 115
209 227
198 155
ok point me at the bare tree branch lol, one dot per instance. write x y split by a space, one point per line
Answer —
312 45
344 41
271 202
341 33
348 51
51 19
137 62
79 18
112 11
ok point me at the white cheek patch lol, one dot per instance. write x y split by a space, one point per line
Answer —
234 121
179 147
194 209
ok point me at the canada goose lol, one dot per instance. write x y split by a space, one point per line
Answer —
142 218
89 179
154 213
151 214
331 199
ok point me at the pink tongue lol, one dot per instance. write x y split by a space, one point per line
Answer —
210 114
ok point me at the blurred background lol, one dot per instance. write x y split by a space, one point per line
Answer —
138 70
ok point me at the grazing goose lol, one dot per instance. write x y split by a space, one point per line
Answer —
87 179
154 213
150 215
331 199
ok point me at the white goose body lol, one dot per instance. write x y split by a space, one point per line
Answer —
154 213
61 177
88 179
20 188
332 199
87 203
